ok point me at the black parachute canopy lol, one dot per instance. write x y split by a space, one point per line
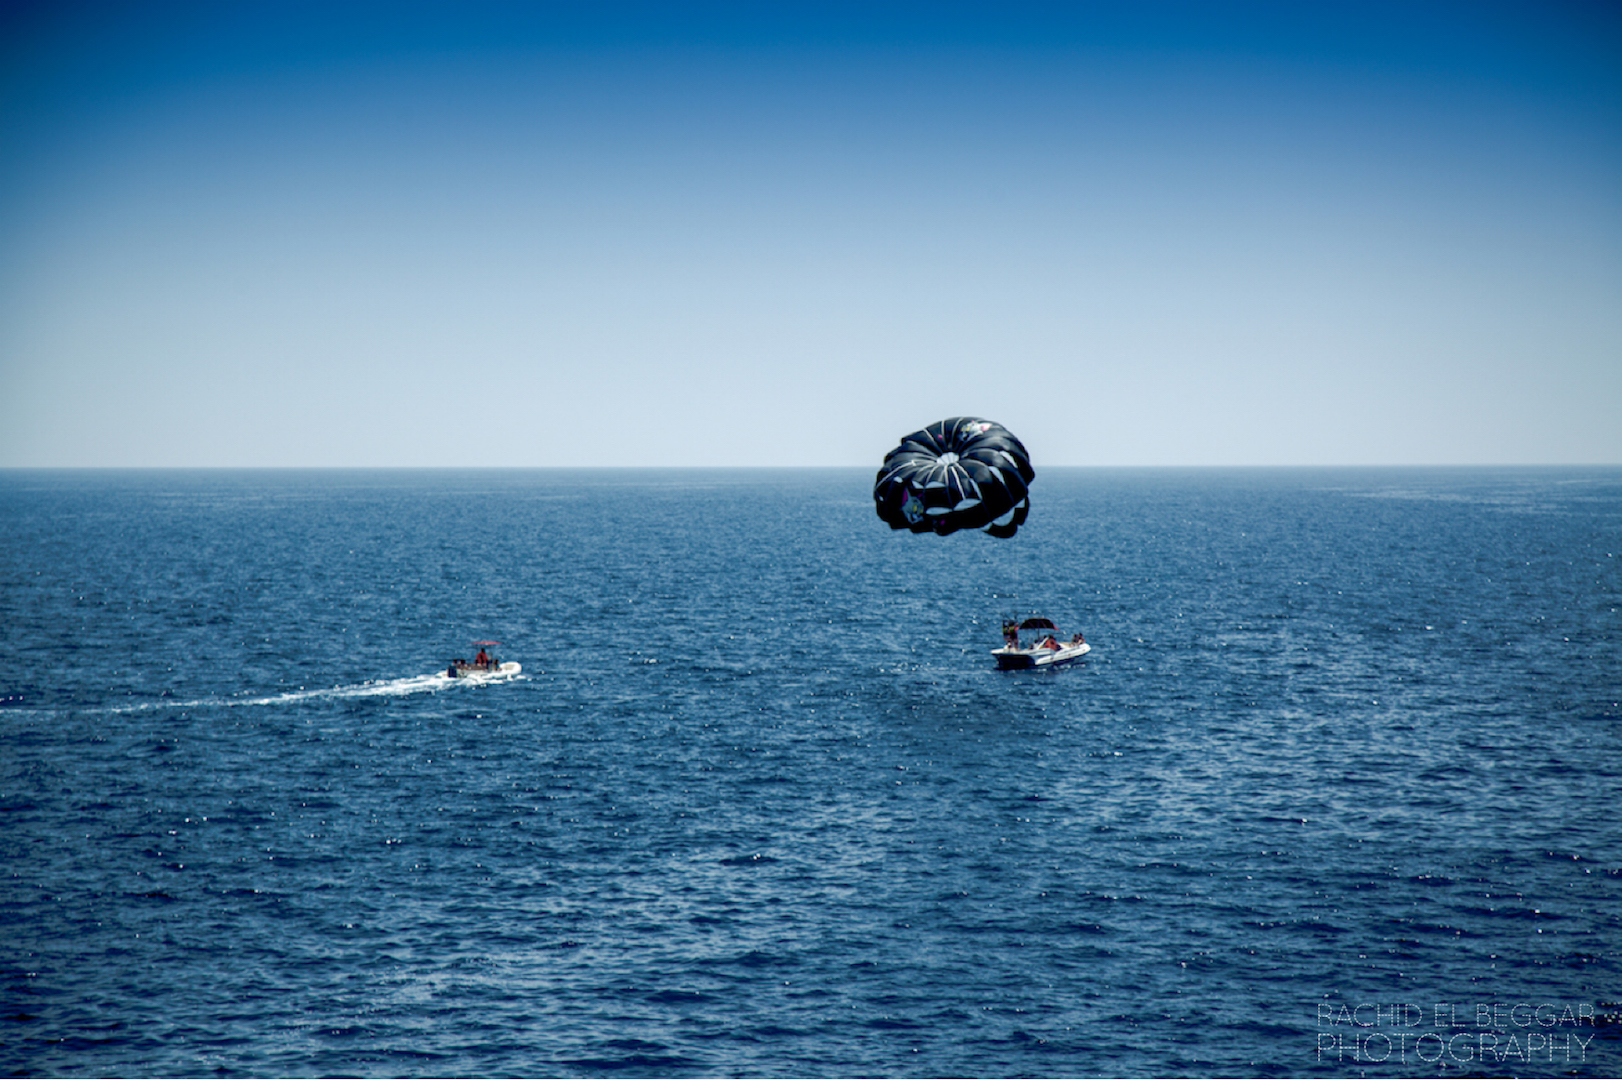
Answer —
960 473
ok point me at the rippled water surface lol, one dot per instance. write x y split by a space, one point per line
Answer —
1336 791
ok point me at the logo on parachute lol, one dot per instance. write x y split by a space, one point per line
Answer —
912 507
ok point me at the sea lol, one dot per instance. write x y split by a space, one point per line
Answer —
1337 792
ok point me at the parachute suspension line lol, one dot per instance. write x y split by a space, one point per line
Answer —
1015 560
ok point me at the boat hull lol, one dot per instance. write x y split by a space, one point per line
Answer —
1024 659
475 673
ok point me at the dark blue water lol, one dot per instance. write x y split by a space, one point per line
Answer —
1336 791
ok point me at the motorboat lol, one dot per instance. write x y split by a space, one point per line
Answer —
484 667
1048 651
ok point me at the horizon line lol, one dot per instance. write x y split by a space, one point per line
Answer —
766 468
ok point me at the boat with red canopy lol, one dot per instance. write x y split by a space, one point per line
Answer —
484 666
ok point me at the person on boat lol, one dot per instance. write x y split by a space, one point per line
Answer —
1010 634
1048 642
483 659
1078 640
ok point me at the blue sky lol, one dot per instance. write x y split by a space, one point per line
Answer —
418 234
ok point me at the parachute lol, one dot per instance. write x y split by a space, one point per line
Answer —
961 473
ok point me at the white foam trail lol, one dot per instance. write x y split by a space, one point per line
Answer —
413 684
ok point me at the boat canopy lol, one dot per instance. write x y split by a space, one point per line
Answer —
1038 623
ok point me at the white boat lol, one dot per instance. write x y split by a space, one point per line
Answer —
484 667
1046 652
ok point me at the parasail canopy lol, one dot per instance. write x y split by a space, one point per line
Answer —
960 473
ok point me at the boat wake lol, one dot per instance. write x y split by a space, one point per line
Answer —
413 684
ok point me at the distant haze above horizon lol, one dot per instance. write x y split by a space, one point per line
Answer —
504 234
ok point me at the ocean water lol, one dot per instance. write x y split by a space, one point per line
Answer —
1337 791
